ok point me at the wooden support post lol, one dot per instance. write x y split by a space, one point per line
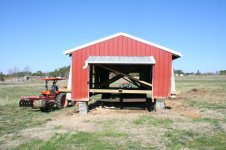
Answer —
97 76
91 76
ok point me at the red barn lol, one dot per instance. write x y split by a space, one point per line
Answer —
96 65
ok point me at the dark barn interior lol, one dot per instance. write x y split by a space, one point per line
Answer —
124 83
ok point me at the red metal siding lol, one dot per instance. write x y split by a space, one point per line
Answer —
121 46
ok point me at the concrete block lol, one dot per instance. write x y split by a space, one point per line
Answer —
160 103
83 108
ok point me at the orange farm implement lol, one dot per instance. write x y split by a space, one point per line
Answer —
53 98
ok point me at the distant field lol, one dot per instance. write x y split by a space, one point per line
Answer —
196 120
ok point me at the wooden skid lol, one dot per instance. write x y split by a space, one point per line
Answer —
64 90
120 91
127 100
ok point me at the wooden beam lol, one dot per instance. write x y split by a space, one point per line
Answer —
117 77
124 100
120 91
64 90
128 76
133 82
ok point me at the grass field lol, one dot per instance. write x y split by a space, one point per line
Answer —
196 120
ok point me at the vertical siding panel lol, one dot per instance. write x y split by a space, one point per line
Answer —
87 71
136 49
138 52
124 44
73 78
92 52
115 46
78 74
170 71
84 73
97 49
165 76
106 45
129 47
75 73
101 49
154 71
83 78
152 51
120 53
133 48
110 47
161 73
168 74
157 71
143 48
146 50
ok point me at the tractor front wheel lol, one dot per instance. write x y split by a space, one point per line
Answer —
61 101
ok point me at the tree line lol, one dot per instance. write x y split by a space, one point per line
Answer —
60 72
221 72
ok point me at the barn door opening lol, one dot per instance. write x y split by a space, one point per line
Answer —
127 79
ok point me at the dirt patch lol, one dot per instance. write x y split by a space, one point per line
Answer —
204 94
181 109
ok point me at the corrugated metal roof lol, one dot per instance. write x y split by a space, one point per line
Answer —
120 60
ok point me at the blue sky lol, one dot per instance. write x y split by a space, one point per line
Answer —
35 33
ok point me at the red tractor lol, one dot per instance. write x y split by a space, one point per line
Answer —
49 99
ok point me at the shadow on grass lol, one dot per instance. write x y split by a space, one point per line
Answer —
148 105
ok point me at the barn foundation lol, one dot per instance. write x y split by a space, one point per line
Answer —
83 108
160 104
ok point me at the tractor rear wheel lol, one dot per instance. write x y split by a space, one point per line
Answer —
61 101
48 107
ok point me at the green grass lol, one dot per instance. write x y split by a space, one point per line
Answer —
79 140
207 105
178 138
217 141
148 120
210 82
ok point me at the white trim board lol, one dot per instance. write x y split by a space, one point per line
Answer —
126 35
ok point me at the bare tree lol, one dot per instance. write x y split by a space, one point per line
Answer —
10 71
27 70
15 70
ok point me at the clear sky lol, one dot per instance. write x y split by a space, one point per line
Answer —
35 33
